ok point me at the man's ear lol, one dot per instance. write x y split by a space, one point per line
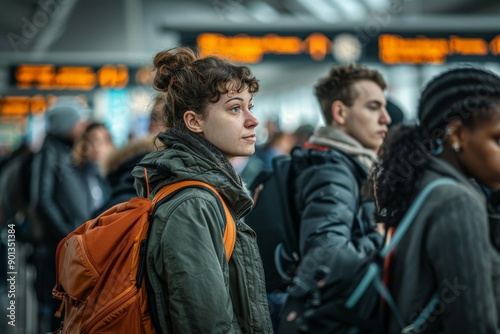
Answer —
339 112
192 121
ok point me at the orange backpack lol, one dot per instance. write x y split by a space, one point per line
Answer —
100 266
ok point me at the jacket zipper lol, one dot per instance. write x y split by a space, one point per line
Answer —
120 300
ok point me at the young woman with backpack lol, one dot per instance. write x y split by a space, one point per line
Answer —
208 103
449 251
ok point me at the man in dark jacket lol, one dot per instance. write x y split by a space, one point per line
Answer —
55 197
333 196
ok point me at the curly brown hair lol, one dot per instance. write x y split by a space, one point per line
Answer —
338 86
190 81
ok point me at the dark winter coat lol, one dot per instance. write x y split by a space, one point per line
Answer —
60 191
334 212
448 250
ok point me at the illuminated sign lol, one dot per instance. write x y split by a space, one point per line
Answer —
388 48
50 77
495 45
394 49
21 106
15 106
250 49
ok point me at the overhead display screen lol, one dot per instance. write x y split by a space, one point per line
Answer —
345 46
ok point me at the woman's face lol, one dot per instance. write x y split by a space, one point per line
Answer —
230 124
100 145
480 150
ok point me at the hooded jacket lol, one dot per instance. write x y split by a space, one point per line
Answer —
448 250
197 290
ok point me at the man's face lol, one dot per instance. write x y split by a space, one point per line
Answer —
367 119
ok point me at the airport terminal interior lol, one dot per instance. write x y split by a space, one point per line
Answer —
101 52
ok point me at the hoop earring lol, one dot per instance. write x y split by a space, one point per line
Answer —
439 148
455 146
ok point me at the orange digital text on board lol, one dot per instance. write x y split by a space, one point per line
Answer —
50 77
251 49
394 49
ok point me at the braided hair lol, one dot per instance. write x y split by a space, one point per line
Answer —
468 94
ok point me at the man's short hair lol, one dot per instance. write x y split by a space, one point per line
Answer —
338 85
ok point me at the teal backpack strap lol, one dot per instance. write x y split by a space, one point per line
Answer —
401 230
412 212
373 273
419 322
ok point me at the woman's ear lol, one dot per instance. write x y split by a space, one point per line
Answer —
193 121
456 135
338 112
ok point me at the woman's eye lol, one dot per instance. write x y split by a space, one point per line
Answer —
251 107
235 109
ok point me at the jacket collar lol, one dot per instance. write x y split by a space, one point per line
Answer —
180 163
439 168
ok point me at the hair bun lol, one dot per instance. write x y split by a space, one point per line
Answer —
168 62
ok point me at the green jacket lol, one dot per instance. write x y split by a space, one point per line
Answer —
197 291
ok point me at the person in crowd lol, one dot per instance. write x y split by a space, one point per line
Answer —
94 146
448 250
209 122
252 168
354 108
157 118
15 196
333 194
278 142
119 164
88 155
55 199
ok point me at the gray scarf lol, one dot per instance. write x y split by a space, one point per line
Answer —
198 144
340 140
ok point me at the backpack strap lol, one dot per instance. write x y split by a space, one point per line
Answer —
386 254
412 212
229 238
230 229
373 273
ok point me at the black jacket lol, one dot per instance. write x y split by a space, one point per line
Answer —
334 213
61 193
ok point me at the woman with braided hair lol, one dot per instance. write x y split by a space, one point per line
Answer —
449 248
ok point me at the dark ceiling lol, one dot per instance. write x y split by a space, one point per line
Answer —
132 28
